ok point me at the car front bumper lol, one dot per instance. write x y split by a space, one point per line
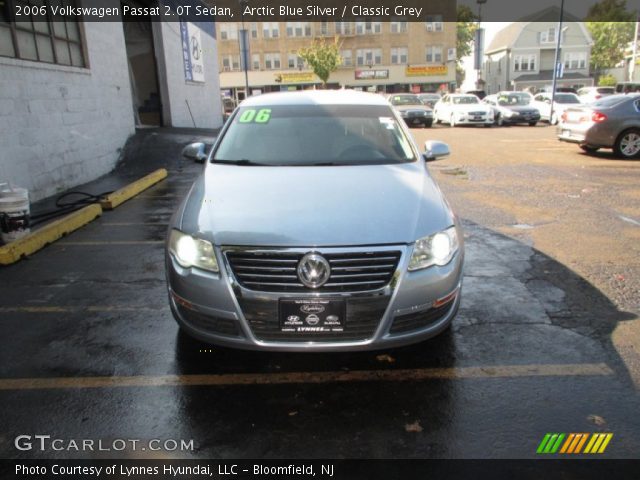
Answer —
217 309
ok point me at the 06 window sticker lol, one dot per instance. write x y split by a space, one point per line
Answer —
251 115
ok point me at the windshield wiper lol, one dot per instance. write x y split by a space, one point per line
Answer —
242 162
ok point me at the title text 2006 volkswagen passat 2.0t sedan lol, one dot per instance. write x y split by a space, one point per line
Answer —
315 226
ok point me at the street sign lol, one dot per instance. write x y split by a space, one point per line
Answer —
559 70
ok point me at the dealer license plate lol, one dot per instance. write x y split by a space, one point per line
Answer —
313 315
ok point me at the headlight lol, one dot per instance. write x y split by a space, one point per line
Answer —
192 252
437 249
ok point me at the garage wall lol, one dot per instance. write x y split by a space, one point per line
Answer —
203 98
62 126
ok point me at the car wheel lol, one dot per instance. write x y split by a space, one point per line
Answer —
628 144
428 124
589 148
488 125
533 124
499 120
452 120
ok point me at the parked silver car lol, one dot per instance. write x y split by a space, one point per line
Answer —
612 122
315 225
412 110
511 108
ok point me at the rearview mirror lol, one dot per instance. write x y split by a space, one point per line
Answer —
195 151
434 150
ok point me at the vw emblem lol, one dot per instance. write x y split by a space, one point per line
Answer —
313 270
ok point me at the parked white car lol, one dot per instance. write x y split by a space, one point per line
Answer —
542 101
591 94
462 109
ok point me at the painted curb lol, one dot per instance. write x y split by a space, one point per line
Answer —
120 196
51 232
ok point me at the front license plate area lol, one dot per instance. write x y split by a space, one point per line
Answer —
566 133
312 315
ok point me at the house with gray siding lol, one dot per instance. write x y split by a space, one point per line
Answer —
521 55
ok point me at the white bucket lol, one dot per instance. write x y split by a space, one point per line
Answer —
14 212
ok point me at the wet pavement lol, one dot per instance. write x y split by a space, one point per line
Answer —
91 351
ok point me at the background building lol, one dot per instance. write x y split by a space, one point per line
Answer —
71 93
379 56
521 55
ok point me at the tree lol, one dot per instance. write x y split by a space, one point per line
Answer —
465 29
323 58
607 81
611 27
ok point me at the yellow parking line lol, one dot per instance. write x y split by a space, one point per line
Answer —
111 242
75 309
418 374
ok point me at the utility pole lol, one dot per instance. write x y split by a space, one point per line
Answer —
632 69
557 60
479 46
243 40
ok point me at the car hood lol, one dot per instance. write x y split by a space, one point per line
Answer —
315 206
471 107
405 108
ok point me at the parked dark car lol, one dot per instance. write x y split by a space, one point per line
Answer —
412 110
478 93
429 99
511 108
612 122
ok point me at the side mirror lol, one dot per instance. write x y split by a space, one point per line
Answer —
195 152
435 150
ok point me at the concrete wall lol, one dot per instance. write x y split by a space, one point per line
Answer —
203 98
61 126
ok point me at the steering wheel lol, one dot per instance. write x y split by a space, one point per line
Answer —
359 152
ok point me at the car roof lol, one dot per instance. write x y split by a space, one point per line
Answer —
316 97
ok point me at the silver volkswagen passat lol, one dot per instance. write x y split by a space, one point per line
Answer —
314 226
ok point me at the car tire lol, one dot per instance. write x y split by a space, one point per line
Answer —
428 124
589 148
488 125
452 120
499 121
533 124
628 144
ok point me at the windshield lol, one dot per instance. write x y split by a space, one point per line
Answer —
465 99
306 135
406 100
610 101
514 99
566 98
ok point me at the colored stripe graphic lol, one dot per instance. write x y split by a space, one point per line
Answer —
573 443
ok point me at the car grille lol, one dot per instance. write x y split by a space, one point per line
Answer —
362 319
477 114
273 271
418 320
417 113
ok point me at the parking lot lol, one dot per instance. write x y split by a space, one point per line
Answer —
546 339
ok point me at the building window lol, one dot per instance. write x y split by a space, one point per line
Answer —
298 29
230 63
347 60
270 29
399 55
434 54
434 23
366 28
228 31
57 40
524 63
548 36
272 61
254 30
344 28
399 27
324 29
575 60
369 56
294 61
255 61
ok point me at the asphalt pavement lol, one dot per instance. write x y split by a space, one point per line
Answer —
90 349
